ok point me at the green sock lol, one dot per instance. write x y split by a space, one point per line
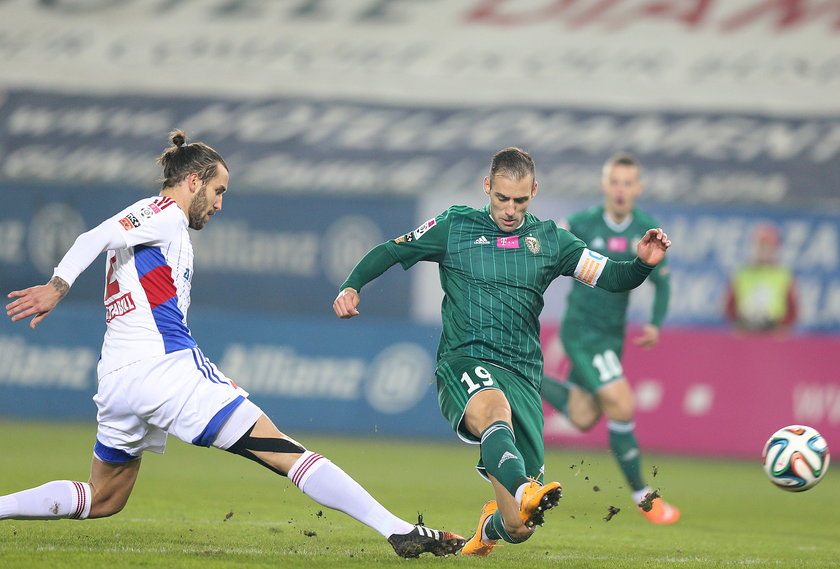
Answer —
501 458
495 529
556 393
626 450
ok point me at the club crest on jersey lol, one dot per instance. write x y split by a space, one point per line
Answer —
533 244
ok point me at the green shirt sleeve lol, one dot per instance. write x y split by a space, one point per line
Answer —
619 276
407 250
661 279
426 243
616 276
374 263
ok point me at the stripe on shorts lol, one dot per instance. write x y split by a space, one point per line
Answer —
204 366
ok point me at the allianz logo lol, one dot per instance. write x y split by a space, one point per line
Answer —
394 381
236 246
28 365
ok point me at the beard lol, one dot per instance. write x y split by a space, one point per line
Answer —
197 215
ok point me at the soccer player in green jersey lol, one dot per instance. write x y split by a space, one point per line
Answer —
495 264
593 327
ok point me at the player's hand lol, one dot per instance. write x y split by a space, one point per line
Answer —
346 302
652 247
649 337
36 301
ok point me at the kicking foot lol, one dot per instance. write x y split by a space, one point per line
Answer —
426 540
658 511
536 500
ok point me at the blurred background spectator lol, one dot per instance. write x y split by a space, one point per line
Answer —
761 296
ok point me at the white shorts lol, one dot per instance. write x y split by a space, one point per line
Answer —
182 393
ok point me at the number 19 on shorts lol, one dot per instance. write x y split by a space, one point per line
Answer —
483 377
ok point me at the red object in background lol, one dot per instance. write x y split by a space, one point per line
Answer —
714 393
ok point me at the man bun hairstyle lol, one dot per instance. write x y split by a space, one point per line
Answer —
513 163
182 159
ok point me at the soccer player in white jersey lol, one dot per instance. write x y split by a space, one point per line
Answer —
155 381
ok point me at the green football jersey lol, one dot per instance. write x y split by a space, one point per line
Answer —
597 311
493 282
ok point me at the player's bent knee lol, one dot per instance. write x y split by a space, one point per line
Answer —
249 445
585 426
584 420
621 412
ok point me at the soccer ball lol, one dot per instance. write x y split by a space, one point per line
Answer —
795 458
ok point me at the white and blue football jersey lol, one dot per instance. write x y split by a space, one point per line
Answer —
147 284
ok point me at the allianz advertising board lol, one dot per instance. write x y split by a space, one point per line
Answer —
271 254
364 376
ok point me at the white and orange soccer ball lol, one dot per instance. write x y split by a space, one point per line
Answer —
795 458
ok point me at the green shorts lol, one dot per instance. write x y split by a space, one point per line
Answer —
595 361
459 379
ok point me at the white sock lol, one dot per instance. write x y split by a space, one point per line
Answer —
486 523
50 501
519 492
330 486
639 495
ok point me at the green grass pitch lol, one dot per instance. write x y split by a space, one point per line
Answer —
200 508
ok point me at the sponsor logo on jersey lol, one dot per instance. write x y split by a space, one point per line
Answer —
119 306
533 244
509 242
154 207
130 221
146 212
418 233
481 241
617 243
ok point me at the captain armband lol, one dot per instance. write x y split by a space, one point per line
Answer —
589 267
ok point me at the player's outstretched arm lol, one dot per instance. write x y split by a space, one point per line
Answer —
373 264
40 300
652 247
346 302
36 300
